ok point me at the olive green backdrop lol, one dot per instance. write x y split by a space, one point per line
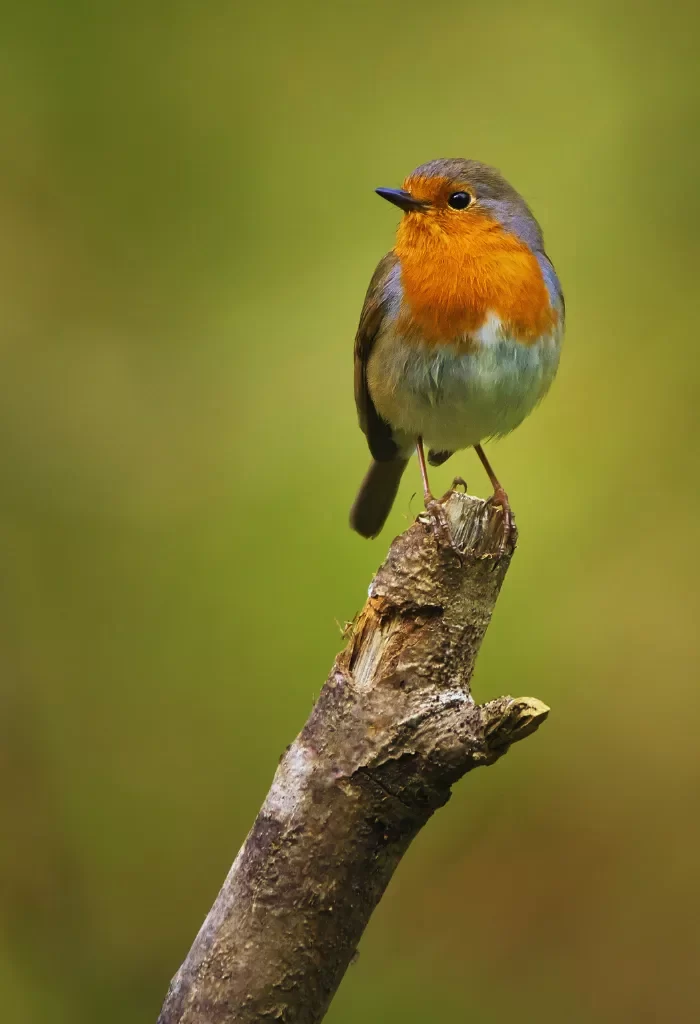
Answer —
188 228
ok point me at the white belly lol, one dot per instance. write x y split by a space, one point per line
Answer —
455 399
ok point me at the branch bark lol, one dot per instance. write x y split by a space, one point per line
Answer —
394 727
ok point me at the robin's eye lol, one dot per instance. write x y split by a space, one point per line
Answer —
459 200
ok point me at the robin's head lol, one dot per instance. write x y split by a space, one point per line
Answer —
456 196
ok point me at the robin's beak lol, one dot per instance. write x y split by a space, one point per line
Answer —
404 200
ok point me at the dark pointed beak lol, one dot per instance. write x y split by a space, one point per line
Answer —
404 200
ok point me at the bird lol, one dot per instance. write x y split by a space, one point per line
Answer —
459 335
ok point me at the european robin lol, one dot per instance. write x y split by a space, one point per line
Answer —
460 331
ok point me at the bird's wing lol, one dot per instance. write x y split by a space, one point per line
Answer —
553 284
378 432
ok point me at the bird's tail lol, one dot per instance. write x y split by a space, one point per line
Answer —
376 496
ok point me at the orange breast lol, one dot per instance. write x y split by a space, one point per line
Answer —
454 276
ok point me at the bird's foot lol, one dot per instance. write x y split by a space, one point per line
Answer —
499 499
438 521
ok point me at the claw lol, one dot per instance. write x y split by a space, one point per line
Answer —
457 482
499 498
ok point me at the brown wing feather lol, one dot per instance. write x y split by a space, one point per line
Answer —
378 432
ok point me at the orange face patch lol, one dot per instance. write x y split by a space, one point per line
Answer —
459 266
436 190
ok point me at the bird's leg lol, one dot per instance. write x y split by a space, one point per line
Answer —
499 497
427 494
441 527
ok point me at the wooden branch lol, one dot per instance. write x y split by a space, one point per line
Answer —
394 728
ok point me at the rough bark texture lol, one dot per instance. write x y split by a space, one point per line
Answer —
394 728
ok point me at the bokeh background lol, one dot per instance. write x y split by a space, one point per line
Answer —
188 228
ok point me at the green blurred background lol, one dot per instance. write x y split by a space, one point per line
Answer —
188 228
